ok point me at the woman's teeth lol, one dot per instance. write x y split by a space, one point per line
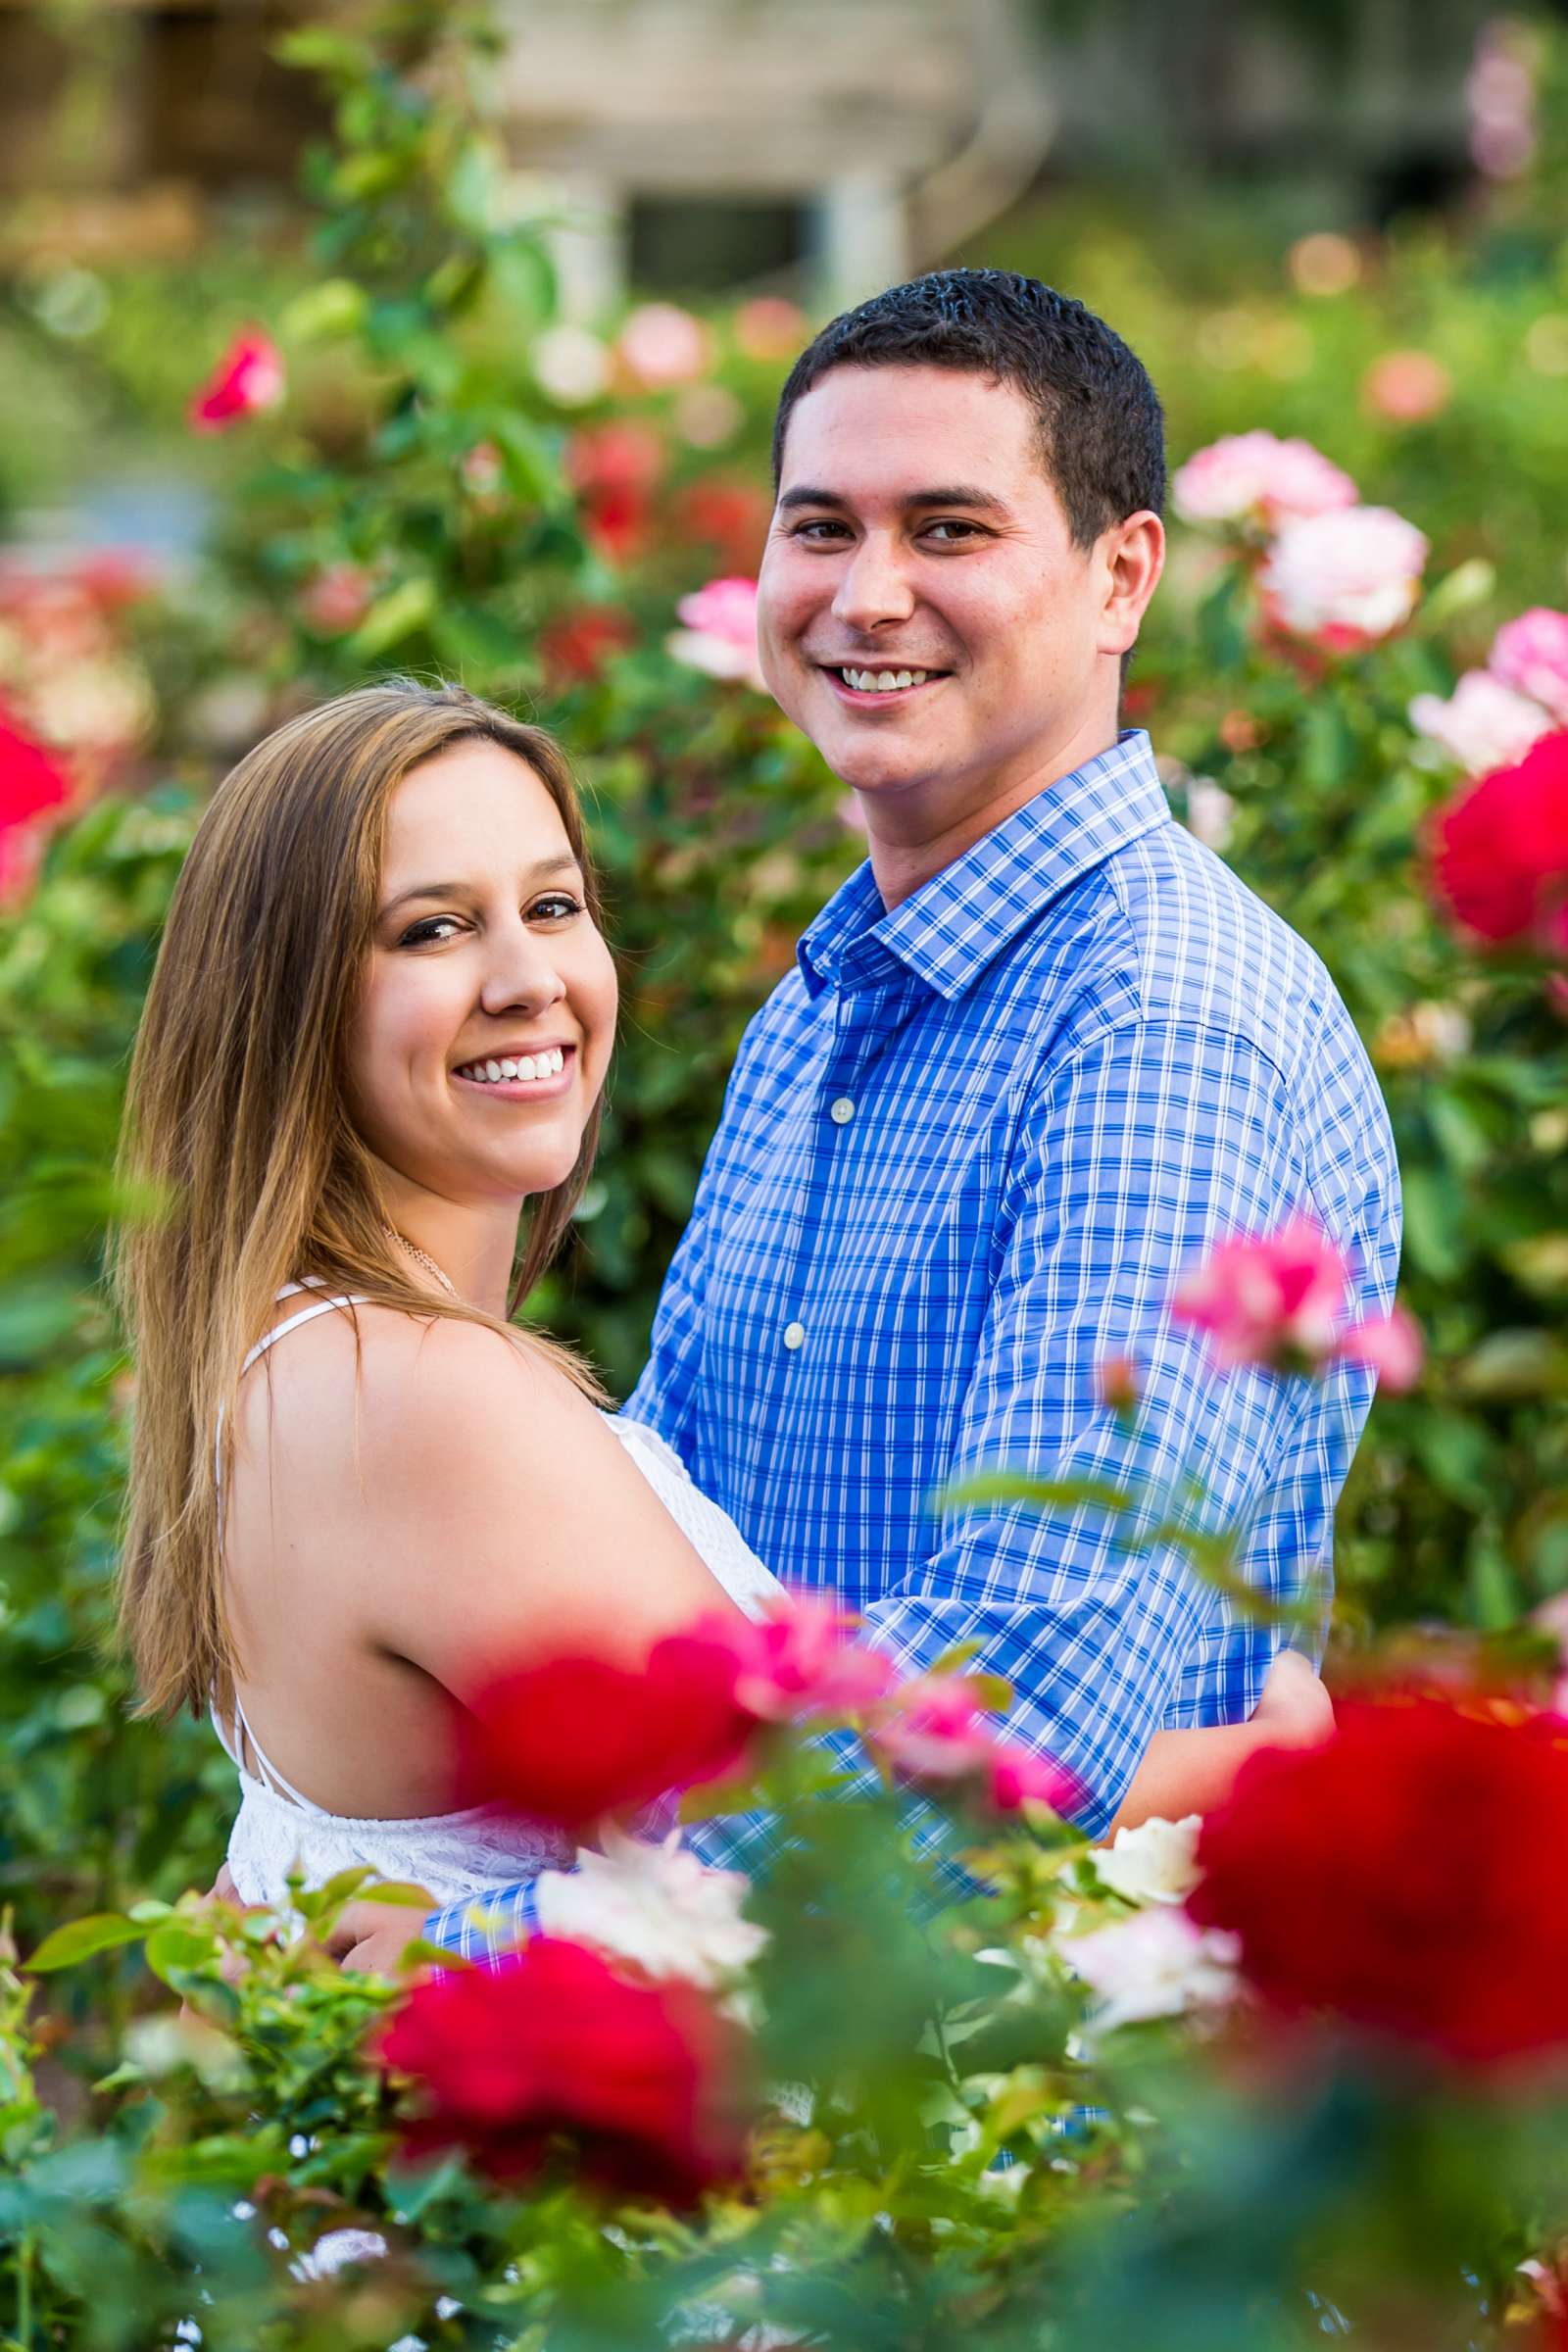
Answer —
548 1064
882 681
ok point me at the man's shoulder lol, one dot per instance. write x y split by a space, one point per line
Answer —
1170 935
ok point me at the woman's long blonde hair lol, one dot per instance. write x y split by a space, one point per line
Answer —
237 1120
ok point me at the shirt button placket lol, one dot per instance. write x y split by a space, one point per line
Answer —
841 1111
794 1335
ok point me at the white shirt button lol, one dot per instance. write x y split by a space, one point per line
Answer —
794 1335
842 1111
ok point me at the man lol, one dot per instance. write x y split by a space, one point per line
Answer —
1039 1052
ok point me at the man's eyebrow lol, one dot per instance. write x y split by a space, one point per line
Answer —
951 494
539 872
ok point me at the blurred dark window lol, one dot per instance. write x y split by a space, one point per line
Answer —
692 246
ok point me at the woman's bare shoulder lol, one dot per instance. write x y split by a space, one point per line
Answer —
470 1503
399 1381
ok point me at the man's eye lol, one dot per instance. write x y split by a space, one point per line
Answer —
817 531
433 928
556 907
957 529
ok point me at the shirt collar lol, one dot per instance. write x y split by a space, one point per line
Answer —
950 929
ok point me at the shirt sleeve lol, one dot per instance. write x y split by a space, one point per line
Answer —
1145 1147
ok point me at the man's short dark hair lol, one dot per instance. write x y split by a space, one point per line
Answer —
1102 432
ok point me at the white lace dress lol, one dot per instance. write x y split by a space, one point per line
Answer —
280 1833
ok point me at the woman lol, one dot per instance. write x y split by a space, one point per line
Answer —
377 1035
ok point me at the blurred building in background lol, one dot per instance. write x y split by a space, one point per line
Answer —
705 145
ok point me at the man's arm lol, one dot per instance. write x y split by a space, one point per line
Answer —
1152 1141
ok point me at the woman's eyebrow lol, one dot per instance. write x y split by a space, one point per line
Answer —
538 872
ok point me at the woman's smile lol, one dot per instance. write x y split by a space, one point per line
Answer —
509 1074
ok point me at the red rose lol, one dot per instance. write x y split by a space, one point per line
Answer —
731 518
614 457
616 522
555 2046
574 649
1500 849
248 377
577 1738
1405 1875
32 782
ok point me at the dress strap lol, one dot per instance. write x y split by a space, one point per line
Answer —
260 1766
269 1339
302 1315
238 1741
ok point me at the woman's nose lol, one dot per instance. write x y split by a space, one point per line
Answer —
523 972
872 588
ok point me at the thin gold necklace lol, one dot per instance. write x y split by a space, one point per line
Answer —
425 1259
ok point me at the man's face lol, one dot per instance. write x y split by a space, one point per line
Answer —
917 531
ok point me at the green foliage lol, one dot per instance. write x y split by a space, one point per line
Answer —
421 455
970 2148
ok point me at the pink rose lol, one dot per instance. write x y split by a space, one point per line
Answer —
247 378
719 637
1274 1298
802 1661
937 1735
1391 1346
1406 386
1260 478
1345 579
1531 654
662 345
336 599
1484 724
768 327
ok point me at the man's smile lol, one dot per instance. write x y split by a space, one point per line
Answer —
864 685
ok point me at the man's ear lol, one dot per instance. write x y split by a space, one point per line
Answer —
1132 556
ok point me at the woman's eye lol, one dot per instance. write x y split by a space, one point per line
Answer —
556 907
433 928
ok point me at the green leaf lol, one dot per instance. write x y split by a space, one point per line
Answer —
1526 1362
335 306
1043 1494
176 1947
393 617
79 1938
398 1890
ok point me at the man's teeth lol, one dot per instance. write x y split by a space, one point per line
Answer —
548 1064
882 681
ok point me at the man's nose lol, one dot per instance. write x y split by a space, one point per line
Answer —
523 973
873 589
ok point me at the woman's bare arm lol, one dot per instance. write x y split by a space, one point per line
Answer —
504 1520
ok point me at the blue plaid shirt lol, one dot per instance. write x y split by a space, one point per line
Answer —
968 1147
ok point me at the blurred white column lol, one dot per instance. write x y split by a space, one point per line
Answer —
588 247
861 237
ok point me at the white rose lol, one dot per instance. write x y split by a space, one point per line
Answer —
1349 576
1211 813
656 1905
1484 724
1156 1863
1155 1964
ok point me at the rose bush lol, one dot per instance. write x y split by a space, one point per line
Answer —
669 2112
443 474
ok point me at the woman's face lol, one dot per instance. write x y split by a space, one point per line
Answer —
483 1032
